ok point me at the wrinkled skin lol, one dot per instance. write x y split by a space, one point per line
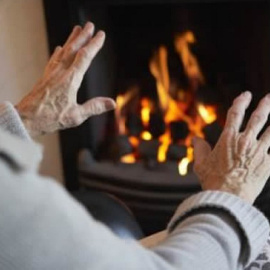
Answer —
239 163
52 104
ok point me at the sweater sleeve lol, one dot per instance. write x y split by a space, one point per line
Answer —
11 121
55 232
42 227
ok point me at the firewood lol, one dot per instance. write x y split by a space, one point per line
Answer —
176 151
179 130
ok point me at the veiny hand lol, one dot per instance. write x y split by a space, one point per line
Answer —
52 104
239 163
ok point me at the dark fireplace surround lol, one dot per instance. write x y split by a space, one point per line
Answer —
244 65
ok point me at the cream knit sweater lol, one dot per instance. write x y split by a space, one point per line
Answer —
42 227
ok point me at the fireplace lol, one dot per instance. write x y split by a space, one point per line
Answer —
174 67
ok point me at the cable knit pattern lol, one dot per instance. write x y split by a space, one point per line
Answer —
11 121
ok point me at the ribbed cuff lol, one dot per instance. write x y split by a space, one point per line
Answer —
11 121
252 222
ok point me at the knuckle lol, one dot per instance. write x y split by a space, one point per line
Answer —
233 113
257 117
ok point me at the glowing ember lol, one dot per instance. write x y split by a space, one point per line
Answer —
134 141
165 140
184 108
145 111
130 158
183 164
146 135
208 113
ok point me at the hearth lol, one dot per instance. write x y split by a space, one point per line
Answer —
173 67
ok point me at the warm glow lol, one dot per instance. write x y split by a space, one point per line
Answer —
146 135
159 69
130 158
183 164
145 111
190 63
121 120
208 113
134 141
165 141
121 102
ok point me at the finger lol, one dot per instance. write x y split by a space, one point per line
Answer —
74 34
201 150
54 59
236 113
97 106
258 118
85 56
264 140
76 44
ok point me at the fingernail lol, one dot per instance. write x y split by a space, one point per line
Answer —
246 93
100 33
110 104
268 96
89 25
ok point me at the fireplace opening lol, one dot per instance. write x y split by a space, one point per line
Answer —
174 68
177 68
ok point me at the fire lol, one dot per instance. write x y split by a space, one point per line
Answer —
183 164
165 140
145 111
191 65
184 108
121 102
146 135
134 141
121 120
208 113
130 158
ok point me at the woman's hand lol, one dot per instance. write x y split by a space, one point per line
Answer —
52 104
239 163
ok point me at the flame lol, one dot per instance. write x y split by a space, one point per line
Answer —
121 120
165 140
129 158
121 102
190 63
134 141
183 164
159 69
146 135
208 113
145 111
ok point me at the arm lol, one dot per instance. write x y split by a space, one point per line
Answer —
210 230
42 227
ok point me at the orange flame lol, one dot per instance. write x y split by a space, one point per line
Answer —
191 65
183 164
208 113
129 158
145 111
146 135
165 140
121 102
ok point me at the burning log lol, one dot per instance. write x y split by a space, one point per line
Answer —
134 125
176 151
148 149
179 130
212 132
157 125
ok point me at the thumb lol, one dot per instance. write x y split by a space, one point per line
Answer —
97 106
201 150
